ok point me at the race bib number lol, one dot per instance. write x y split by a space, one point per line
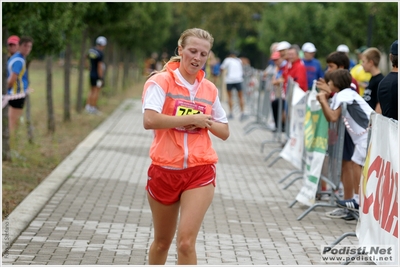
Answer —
183 108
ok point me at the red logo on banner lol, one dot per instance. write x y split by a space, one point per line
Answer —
384 199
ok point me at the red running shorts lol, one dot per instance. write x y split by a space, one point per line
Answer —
166 186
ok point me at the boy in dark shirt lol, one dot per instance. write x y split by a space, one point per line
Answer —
370 62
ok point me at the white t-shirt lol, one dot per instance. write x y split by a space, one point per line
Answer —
234 70
357 116
155 98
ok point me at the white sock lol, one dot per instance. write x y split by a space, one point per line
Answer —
357 198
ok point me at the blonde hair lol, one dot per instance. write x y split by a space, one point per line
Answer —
373 54
194 32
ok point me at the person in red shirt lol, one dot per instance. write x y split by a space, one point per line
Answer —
296 68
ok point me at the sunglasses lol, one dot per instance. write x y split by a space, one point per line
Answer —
11 44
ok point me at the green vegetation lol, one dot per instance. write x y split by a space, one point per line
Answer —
33 162
136 29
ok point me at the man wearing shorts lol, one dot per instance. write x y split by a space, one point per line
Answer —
95 55
17 82
232 65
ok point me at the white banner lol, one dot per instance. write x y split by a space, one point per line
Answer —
379 185
294 147
316 143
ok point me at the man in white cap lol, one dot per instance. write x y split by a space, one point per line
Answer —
95 55
345 49
313 66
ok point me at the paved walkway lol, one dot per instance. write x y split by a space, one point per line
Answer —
93 209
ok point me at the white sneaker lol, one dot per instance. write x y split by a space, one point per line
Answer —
337 213
96 111
88 108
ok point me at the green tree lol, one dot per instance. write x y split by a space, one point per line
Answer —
74 27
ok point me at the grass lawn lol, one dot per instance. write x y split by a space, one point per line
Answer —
32 163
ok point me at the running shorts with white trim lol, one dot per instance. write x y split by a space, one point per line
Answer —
167 185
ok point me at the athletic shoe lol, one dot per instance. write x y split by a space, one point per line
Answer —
326 197
243 117
349 217
337 213
88 108
350 204
96 111
230 116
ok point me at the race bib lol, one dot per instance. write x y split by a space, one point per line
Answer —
183 108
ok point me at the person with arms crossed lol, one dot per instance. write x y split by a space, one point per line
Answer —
388 87
95 56
17 82
182 107
370 62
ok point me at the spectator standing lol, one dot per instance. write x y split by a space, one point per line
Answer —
345 49
233 68
280 81
97 67
216 71
283 48
17 82
357 72
388 87
313 66
276 93
12 45
339 60
356 118
370 63
182 107
296 68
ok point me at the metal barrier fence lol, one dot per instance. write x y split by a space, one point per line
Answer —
333 164
288 114
262 103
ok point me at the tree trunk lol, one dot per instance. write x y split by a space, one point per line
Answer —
67 76
125 77
51 125
29 126
115 60
6 133
79 98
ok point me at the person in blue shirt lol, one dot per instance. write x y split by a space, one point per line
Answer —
313 66
17 82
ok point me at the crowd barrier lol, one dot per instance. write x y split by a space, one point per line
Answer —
377 219
262 103
331 167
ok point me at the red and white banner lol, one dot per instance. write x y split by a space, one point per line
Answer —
379 185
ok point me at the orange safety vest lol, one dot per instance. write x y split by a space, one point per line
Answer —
174 147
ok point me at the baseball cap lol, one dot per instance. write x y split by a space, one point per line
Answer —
394 48
361 49
282 46
343 48
308 47
13 39
101 40
276 55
